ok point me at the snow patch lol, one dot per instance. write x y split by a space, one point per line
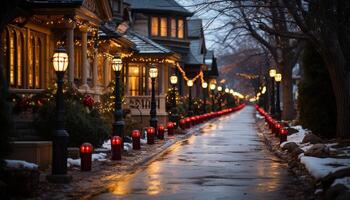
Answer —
20 164
344 181
94 157
321 167
296 137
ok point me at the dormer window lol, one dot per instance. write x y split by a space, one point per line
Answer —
167 27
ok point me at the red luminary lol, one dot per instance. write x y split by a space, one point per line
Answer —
193 120
116 144
160 132
150 135
188 122
136 135
85 157
170 127
182 124
277 128
283 134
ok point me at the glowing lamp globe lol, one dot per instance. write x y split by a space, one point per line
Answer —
117 63
173 79
227 90
189 83
219 88
272 73
212 86
60 60
153 72
204 85
278 77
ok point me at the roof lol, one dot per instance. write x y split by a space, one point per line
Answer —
194 27
195 57
163 6
106 31
145 45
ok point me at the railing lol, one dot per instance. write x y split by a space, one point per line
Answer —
142 104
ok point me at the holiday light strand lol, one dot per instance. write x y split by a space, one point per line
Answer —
199 75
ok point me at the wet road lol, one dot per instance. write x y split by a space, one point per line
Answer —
227 160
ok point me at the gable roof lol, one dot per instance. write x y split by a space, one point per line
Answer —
194 27
195 57
159 6
145 45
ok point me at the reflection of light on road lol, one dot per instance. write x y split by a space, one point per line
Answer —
269 169
122 186
154 185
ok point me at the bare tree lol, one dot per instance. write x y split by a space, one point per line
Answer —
326 24
263 21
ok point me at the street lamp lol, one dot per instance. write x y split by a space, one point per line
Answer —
118 125
212 88
205 86
173 116
272 73
220 97
60 135
278 79
190 109
153 74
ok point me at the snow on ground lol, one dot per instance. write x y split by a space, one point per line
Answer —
20 164
95 157
296 137
320 167
344 181
257 115
127 146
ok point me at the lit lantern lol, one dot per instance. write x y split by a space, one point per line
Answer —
189 83
86 157
150 135
182 124
212 86
219 88
173 79
204 85
160 132
278 77
170 127
117 63
136 135
116 150
60 60
153 72
227 90
272 72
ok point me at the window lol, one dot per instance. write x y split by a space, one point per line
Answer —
154 26
173 27
163 27
180 30
134 79
12 45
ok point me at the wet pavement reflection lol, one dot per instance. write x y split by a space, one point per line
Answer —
227 160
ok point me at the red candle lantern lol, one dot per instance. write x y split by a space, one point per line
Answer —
150 135
85 157
182 124
116 144
283 135
170 128
136 135
188 122
160 132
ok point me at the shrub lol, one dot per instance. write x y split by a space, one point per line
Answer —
316 99
83 121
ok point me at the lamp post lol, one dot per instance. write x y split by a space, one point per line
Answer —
212 88
205 86
118 125
272 74
220 97
278 79
153 74
190 107
174 115
60 135
227 91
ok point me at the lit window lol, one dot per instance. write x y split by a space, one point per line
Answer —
12 60
180 30
163 27
173 27
154 26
